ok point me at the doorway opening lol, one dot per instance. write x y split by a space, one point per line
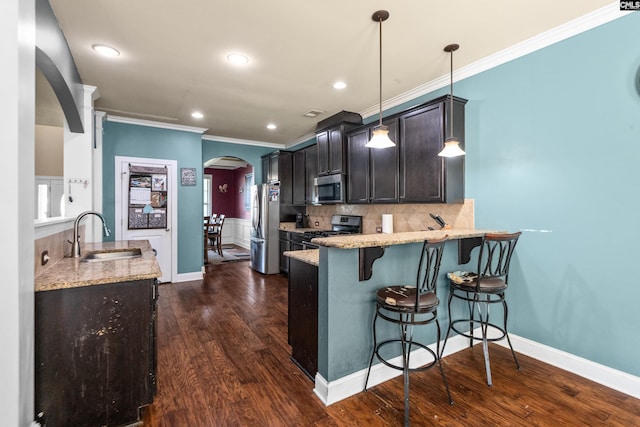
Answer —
226 191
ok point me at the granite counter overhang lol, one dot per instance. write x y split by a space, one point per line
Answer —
364 241
309 256
358 241
72 273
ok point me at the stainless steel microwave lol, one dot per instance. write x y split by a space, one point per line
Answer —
330 189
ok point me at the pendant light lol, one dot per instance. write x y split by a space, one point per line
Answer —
380 138
451 144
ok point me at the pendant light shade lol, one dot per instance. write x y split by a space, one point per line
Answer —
451 144
380 138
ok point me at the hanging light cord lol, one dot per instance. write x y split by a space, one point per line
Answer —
380 65
451 95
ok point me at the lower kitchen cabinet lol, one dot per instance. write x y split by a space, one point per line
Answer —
285 245
303 315
95 354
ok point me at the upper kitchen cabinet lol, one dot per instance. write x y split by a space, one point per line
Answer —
424 176
331 140
311 171
372 173
299 177
285 176
272 165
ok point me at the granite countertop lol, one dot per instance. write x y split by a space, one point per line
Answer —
354 241
310 256
298 230
73 273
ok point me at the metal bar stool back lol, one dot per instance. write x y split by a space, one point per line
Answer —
479 289
409 306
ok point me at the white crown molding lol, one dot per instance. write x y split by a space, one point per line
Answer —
579 25
154 124
301 140
242 141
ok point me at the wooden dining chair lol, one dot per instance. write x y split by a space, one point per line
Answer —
206 223
214 235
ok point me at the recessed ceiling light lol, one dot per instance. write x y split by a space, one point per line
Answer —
197 115
271 126
339 85
237 58
105 50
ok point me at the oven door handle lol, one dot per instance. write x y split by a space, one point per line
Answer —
309 245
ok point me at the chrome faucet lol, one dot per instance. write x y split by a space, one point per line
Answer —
75 245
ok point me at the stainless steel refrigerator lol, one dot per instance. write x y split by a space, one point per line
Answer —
265 221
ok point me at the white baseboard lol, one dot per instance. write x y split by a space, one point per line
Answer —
187 277
352 384
601 374
334 391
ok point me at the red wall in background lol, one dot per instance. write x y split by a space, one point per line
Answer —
231 201
240 200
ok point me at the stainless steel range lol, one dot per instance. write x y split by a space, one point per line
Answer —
340 224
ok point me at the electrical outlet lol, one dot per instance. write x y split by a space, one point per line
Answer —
378 229
44 257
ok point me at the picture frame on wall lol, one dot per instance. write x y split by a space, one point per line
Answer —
188 176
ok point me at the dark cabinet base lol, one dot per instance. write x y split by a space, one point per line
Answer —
95 353
303 315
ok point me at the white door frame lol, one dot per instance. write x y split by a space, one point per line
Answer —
172 201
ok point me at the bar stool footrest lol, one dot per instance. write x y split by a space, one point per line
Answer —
401 368
467 334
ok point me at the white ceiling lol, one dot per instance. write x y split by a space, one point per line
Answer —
173 54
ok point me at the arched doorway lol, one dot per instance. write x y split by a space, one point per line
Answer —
226 190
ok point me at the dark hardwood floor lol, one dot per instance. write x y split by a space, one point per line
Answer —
223 360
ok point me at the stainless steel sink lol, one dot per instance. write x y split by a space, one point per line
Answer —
112 254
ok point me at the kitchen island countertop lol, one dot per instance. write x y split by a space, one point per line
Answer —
355 241
73 273
310 256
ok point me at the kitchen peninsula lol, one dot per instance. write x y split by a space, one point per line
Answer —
346 303
95 333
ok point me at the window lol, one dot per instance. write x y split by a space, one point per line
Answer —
206 195
248 182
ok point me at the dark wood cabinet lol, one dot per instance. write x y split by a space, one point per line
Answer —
95 353
332 150
384 168
303 315
285 245
424 177
358 166
270 166
285 176
266 168
311 172
372 173
331 139
299 181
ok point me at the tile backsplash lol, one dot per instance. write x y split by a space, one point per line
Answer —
406 217
57 247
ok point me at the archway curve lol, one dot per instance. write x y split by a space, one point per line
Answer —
61 89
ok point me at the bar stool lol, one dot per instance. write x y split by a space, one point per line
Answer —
409 306
482 288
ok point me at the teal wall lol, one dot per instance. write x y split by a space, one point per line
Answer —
552 146
552 142
185 148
